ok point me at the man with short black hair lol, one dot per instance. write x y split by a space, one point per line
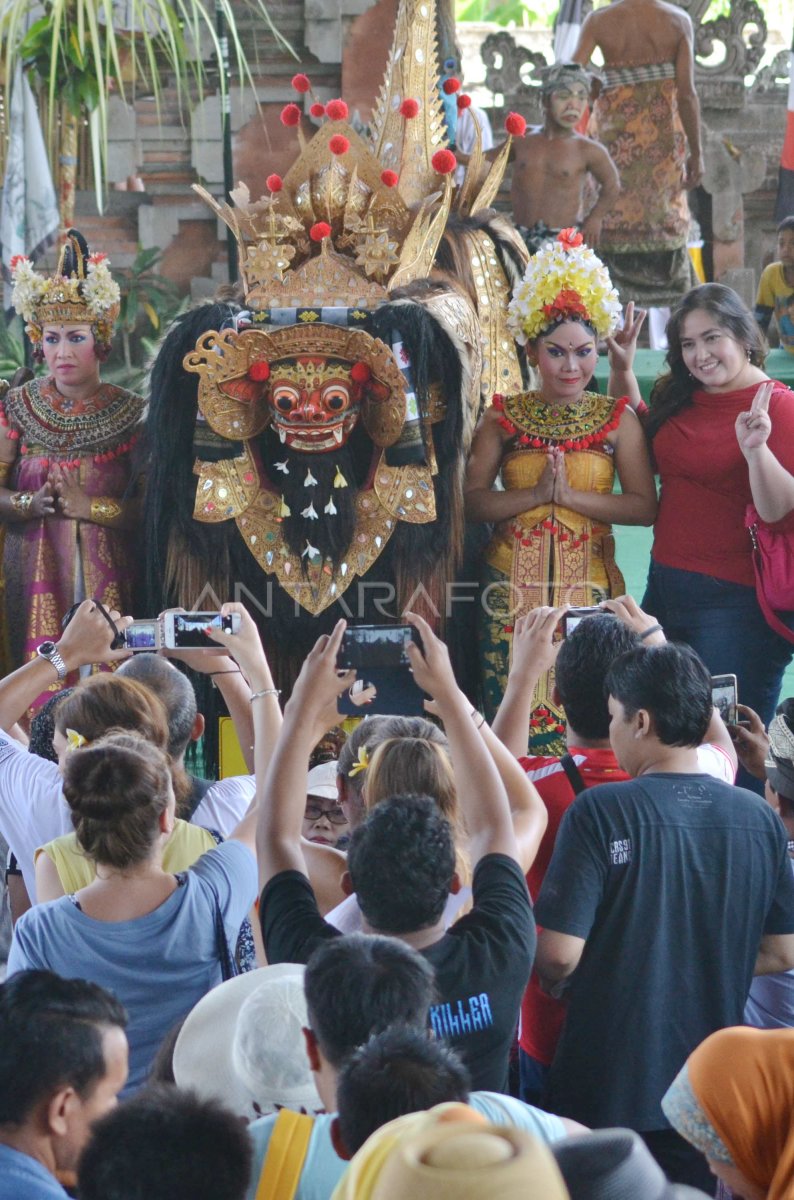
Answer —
665 895
482 961
359 987
396 1072
166 1144
63 1061
581 662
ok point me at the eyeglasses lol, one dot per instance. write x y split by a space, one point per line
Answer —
313 812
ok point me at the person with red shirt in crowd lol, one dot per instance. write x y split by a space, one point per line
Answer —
582 660
722 434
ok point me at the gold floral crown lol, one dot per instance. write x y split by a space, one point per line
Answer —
564 280
81 292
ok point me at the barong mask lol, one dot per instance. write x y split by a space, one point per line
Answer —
354 348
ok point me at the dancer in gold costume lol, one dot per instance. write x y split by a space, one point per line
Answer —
557 450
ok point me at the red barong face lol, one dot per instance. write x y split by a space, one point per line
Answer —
314 403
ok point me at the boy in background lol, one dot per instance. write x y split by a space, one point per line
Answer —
552 164
776 288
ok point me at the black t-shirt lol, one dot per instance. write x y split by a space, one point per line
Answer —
672 880
482 963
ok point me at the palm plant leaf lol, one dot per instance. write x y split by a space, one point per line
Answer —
77 48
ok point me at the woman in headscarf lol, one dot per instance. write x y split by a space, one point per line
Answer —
734 1101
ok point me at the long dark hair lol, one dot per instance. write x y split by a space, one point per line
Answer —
673 391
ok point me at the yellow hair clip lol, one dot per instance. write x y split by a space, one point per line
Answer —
75 740
361 763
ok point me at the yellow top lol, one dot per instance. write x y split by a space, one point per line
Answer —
75 870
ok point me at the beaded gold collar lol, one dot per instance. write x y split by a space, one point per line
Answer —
534 422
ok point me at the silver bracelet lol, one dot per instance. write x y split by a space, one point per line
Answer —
264 692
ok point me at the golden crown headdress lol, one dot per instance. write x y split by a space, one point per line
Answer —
356 217
82 291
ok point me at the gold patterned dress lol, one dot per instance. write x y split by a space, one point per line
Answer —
52 562
549 554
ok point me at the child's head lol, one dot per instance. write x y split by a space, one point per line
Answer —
565 91
785 241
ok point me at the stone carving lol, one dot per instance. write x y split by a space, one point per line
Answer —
734 44
771 82
511 71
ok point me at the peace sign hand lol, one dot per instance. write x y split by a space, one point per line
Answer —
754 427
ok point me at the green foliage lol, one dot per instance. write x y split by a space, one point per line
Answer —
12 347
149 303
77 49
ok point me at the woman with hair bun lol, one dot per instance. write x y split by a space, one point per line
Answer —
722 434
159 941
99 705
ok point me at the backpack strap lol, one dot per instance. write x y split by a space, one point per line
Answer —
286 1154
574 774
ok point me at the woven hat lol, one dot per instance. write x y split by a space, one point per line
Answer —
243 1044
451 1153
615 1164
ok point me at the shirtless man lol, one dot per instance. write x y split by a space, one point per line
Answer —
647 117
635 33
552 163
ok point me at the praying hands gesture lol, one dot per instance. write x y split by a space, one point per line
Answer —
71 499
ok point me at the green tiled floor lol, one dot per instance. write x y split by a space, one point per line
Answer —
633 552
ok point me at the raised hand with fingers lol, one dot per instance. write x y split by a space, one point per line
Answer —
622 344
431 667
627 610
754 427
534 650
750 741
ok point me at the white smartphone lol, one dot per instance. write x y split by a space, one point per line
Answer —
185 631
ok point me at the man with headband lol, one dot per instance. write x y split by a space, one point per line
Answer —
553 162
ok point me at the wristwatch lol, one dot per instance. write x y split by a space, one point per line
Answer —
53 655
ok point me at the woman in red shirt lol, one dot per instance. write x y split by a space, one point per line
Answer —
723 436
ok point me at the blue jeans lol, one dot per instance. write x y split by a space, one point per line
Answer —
533 1078
724 624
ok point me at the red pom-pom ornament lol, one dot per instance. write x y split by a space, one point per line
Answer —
337 110
338 144
259 371
317 109
301 82
319 231
515 124
451 85
463 101
290 115
360 373
444 162
389 178
274 183
409 109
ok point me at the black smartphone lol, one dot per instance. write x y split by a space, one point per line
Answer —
384 683
575 615
724 697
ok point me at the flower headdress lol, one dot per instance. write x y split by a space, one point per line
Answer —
81 292
565 279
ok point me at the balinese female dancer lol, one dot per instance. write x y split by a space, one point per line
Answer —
65 444
557 450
